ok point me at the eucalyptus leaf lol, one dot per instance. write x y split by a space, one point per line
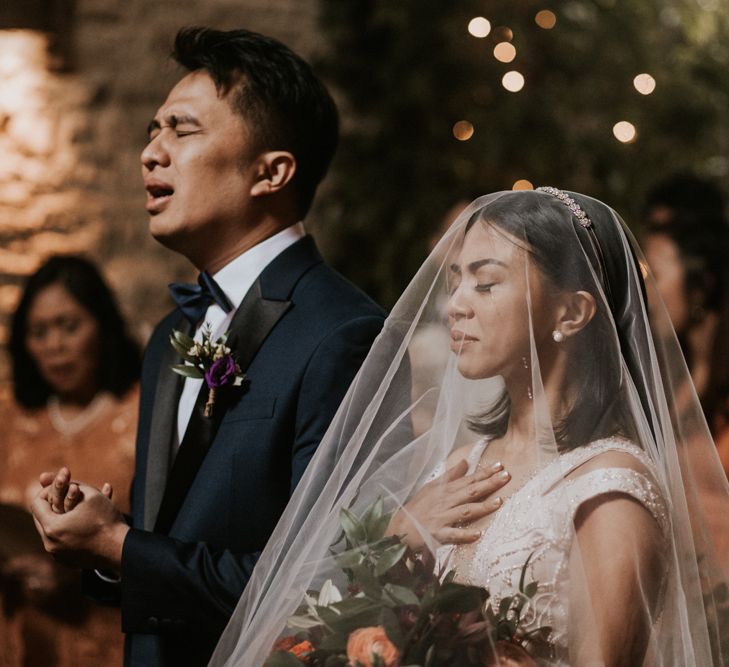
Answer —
183 338
303 622
349 559
400 595
188 371
353 527
531 589
179 347
389 558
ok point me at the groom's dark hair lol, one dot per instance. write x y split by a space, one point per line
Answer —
275 91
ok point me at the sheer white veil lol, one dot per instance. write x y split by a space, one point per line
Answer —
411 406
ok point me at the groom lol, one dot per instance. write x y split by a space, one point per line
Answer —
234 157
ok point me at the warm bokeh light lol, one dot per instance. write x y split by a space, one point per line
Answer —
463 130
504 52
522 184
479 27
625 132
645 84
503 34
545 19
513 81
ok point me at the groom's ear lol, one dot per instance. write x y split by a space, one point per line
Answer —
575 312
274 170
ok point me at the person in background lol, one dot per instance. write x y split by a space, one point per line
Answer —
75 372
686 244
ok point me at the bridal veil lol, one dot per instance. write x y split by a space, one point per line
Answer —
612 417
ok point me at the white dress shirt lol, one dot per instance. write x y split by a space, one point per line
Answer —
235 279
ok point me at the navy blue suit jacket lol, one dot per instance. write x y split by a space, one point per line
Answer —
302 333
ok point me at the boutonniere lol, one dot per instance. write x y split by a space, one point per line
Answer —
207 360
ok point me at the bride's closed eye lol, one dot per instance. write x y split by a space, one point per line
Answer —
484 288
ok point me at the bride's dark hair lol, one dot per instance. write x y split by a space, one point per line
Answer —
546 227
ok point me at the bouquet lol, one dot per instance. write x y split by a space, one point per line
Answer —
397 611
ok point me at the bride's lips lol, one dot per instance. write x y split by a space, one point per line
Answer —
459 340
159 195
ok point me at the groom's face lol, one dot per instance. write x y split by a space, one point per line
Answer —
197 168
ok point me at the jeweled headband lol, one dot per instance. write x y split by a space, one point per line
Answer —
582 218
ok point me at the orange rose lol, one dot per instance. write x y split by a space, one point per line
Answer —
285 643
302 649
366 642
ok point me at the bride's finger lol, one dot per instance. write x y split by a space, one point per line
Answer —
471 512
478 489
457 535
454 473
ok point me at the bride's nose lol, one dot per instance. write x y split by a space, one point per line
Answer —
458 307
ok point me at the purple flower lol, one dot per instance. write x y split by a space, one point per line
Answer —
221 373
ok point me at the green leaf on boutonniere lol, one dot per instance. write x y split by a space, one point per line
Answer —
182 338
188 371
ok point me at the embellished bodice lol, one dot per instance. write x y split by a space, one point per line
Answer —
536 523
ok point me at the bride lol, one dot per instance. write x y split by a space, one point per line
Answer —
517 421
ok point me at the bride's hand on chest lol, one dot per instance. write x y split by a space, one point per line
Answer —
448 507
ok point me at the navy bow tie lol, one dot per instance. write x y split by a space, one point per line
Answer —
193 300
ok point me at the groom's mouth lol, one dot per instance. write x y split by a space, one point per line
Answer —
159 195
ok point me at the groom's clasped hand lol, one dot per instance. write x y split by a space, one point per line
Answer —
77 522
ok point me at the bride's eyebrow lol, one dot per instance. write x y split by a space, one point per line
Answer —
475 266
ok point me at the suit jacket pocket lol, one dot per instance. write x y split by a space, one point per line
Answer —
251 407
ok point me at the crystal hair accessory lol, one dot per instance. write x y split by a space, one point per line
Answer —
586 223
570 203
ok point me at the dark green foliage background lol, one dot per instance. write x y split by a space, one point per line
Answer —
404 71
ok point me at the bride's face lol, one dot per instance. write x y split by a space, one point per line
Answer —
492 289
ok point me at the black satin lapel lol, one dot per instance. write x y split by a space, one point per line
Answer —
251 324
253 321
164 420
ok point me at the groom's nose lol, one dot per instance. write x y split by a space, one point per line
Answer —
155 153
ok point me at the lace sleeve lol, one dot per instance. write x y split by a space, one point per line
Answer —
619 480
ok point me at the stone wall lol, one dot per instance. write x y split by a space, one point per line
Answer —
71 133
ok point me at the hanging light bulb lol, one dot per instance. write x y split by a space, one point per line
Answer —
513 81
625 132
479 27
463 130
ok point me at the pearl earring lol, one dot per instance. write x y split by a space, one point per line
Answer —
557 336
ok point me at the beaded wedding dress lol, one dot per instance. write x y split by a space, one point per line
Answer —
535 523
527 332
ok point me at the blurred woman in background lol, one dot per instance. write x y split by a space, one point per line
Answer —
75 372
686 244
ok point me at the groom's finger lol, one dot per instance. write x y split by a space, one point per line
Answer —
59 489
46 478
73 497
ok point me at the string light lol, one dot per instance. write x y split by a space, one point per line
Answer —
645 84
463 130
545 19
625 132
479 27
522 184
504 52
513 81
503 34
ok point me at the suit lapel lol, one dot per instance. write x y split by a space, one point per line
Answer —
161 448
253 321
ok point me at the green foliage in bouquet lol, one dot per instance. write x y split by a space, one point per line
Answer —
398 611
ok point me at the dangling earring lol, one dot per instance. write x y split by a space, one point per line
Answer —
557 336
525 363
